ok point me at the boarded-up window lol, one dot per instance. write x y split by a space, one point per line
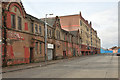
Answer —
26 26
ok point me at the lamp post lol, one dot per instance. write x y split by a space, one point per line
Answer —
46 36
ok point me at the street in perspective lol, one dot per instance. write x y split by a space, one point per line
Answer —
97 66
59 40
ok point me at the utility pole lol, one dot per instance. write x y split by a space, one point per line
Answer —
46 36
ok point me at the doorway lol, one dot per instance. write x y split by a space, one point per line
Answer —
64 54
50 54
74 52
31 54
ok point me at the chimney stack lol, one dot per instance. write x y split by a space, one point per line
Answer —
90 24
80 14
56 17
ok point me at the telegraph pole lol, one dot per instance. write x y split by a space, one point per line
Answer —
45 36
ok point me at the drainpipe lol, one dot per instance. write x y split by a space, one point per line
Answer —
4 39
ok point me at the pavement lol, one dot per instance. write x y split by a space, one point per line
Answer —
33 65
93 66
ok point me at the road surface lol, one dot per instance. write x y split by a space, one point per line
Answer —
94 66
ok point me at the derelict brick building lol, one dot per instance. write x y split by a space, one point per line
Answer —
23 37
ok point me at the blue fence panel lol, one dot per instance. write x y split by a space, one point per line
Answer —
106 51
102 51
118 50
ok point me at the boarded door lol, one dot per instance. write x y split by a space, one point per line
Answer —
50 54
27 55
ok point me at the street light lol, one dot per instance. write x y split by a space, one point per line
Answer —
46 36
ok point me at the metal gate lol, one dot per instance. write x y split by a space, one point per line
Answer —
50 54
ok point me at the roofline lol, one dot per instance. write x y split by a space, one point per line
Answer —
69 15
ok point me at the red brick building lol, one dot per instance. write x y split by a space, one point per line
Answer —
90 42
23 36
66 44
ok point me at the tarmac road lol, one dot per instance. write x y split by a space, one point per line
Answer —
95 66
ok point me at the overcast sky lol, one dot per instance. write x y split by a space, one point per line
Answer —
104 14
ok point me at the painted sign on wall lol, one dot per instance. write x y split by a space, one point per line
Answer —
14 35
50 46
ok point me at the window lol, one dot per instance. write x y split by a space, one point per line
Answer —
19 23
87 35
80 23
81 31
50 33
26 26
36 28
87 29
40 31
40 47
13 21
80 46
86 42
74 41
67 37
32 27
58 34
70 39
47 32
80 41
36 47
64 36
